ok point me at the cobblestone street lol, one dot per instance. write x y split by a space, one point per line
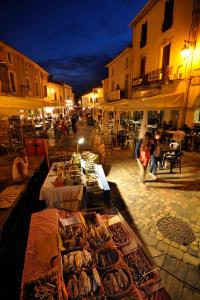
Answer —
175 195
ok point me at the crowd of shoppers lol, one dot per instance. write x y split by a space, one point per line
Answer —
63 125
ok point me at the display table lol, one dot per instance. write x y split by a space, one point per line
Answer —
105 258
67 197
97 197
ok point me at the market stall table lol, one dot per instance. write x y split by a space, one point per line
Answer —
104 260
67 197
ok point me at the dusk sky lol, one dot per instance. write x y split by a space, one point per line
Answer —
72 39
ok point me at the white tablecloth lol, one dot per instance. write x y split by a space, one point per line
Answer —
65 197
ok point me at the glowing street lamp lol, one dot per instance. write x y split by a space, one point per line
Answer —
80 142
186 50
187 55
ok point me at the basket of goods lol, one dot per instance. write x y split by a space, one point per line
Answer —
120 234
140 268
84 285
77 260
107 258
117 283
73 237
49 286
98 236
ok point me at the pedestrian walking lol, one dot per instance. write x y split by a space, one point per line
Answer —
73 121
155 156
143 152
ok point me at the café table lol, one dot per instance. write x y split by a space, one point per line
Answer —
68 197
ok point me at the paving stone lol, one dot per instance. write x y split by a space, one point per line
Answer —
192 251
175 267
193 276
189 294
191 259
163 246
172 285
150 241
159 237
175 252
159 260
183 248
174 244
195 243
166 241
154 252
140 225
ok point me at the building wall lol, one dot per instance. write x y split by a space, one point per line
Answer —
119 73
156 39
93 98
21 76
180 70
105 83
55 93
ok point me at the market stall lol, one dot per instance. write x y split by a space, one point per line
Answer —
63 186
73 183
87 256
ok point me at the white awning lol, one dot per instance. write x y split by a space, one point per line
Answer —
159 102
13 104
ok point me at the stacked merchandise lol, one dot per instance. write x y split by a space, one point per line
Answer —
67 174
103 259
100 257
87 155
65 156
16 131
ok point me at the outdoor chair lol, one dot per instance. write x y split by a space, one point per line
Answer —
173 157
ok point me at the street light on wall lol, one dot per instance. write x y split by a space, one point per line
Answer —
187 48
80 142
187 55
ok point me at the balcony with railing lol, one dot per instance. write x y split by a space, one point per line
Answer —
155 78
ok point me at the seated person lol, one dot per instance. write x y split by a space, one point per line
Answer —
20 170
